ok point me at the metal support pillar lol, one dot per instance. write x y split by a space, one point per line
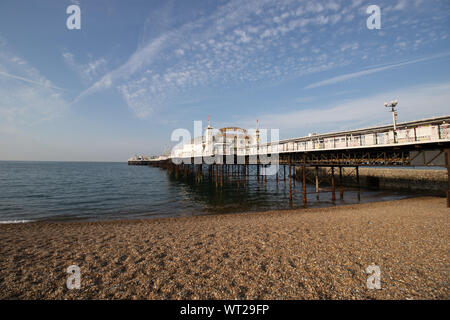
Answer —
357 182
265 174
216 169
290 182
317 182
294 174
305 199
447 164
333 189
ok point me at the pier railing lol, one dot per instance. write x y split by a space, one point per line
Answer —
419 132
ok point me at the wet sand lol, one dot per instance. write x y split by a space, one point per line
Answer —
318 253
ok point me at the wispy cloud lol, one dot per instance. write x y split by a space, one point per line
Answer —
257 42
45 84
361 112
89 71
354 75
27 97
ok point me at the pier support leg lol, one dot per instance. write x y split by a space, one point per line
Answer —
238 173
265 174
247 172
294 174
257 171
290 183
341 188
284 172
305 199
447 164
358 185
217 174
240 170
225 172
200 172
317 183
277 175
221 175
333 189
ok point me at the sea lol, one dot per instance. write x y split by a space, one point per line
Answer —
95 191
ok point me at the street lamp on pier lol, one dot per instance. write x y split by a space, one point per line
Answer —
392 105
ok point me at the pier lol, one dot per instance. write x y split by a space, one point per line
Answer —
235 154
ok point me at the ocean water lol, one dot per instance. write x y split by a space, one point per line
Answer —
74 191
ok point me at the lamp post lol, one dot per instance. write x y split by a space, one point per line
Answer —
392 105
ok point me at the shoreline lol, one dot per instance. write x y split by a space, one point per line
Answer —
299 208
312 253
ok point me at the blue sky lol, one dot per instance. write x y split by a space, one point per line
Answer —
137 70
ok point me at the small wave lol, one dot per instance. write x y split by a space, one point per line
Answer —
14 221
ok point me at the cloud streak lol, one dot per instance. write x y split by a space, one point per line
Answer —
359 74
45 84
27 97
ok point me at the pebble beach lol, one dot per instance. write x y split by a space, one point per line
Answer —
319 253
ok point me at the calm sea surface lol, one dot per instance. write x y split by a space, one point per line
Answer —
72 191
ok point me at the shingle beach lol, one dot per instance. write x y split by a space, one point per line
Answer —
319 253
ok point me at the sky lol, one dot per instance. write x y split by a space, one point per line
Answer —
137 70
